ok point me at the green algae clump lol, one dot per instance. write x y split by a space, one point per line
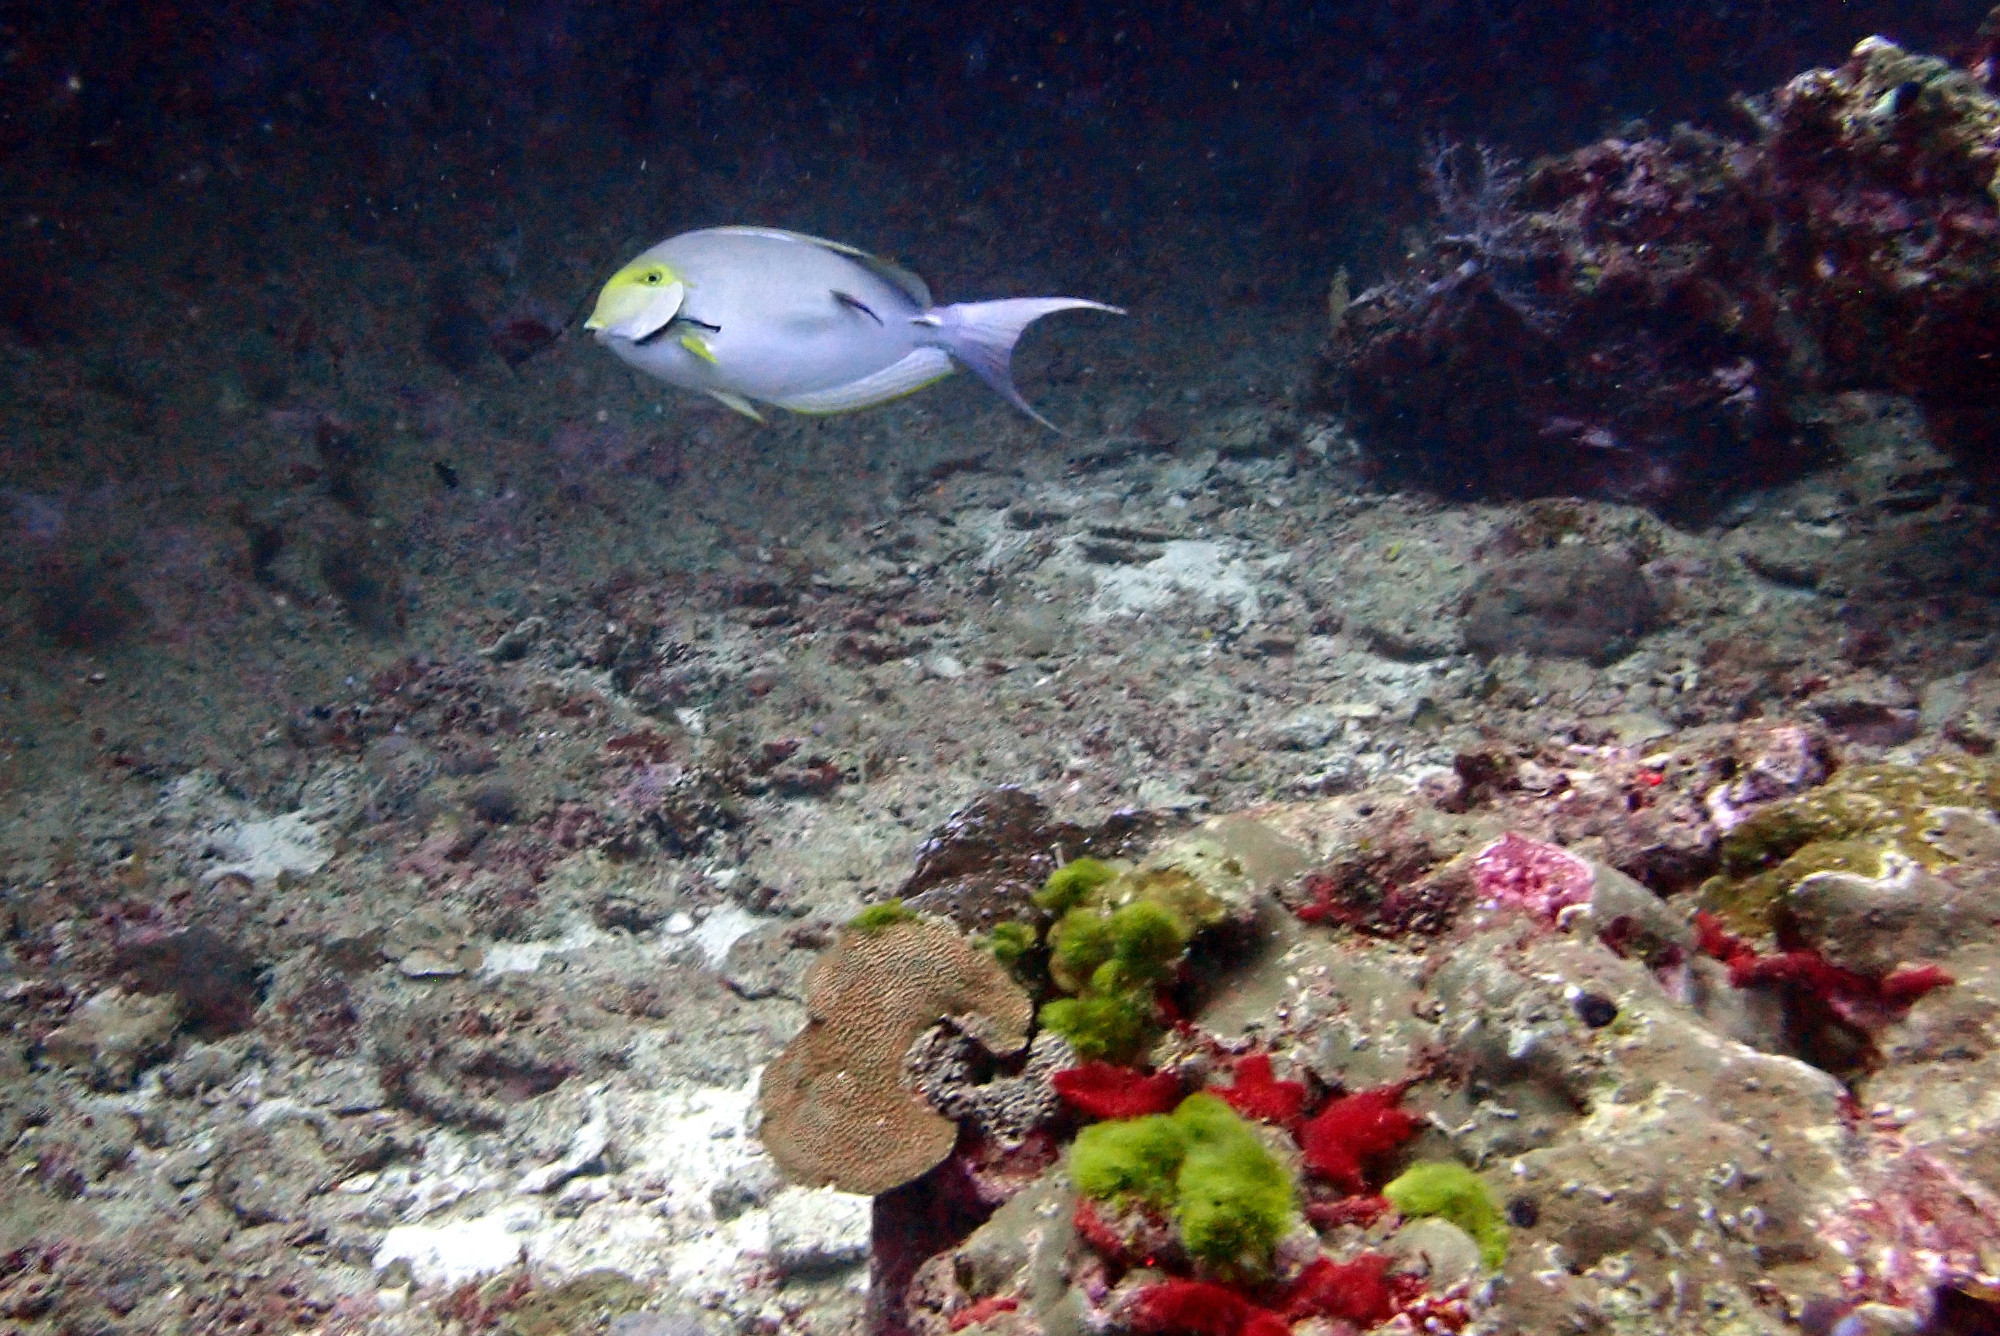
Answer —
1112 962
1130 1158
1112 1027
1121 932
1862 820
1234 1200
1208 1169
1448 1189
1010 943
877 917
1080 941
1069 885
1146 939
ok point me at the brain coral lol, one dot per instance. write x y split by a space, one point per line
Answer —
836 1112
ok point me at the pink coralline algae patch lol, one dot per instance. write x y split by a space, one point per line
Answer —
1917 1227
1543 879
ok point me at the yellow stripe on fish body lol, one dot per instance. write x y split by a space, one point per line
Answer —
751 314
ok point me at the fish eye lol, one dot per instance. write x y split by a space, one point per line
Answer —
653 277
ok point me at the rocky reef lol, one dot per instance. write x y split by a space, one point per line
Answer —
1557 1100
1654 317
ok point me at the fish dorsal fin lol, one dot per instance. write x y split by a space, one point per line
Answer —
888 271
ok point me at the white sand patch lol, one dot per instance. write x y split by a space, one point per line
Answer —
1204 570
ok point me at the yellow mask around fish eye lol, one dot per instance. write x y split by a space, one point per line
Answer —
637 302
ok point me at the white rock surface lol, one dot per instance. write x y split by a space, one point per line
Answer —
267 850
1204 570
655 1219
818 1229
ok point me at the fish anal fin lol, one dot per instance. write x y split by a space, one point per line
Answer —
738 403
920 368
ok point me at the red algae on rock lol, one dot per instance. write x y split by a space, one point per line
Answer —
1865 999
1200 1308
1106 1090
1340 1138
1257 1093
1358 1291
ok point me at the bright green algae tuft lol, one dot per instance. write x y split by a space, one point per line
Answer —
1069 885
1011 942
1209 1170
1110 1026
877 917
1111 959
1447 1189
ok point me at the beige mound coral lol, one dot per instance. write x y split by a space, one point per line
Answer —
835 1110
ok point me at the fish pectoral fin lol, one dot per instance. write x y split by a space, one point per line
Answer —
854 303
737 402
697 345
654 310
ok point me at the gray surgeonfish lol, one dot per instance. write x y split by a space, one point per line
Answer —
756 315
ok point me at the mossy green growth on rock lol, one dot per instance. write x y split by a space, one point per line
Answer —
1235 1199
1130 1158
1115 1027
1010 943
1079 942
1448 1189
877 917
1204 878
1229 1197
1146 939
1069 885
1122 931
1113 961
1143 939
1852 823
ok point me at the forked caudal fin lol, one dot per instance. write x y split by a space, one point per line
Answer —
981 336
